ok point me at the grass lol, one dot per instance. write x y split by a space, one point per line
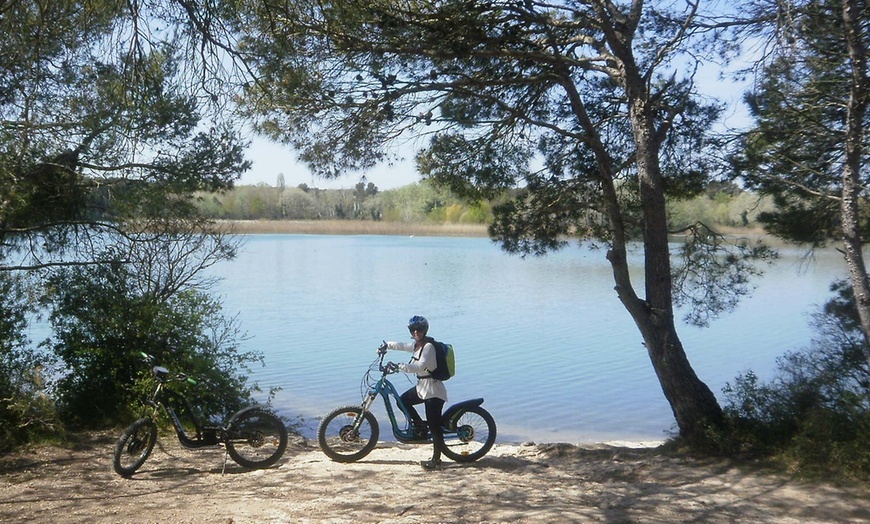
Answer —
355 227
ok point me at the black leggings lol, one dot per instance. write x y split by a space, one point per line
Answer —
433 417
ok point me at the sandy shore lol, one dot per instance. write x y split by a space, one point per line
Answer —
354 227
514 483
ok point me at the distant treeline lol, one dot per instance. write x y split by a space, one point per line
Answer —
721 205
419 202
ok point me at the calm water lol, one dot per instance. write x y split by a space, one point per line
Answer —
544 340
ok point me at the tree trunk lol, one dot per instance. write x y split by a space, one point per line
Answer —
853 245
849 211
693 403
694 406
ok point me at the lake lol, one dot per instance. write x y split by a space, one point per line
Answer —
544 340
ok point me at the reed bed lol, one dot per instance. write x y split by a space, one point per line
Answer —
368 227
354 227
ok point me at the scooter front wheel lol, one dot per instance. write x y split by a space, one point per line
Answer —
340 441
134 446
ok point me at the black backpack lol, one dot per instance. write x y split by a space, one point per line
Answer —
445 360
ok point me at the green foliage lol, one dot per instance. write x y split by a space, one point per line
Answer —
101 126
25 410
102 323
712 273
478 214
720 209
815 415
113 114
422 202
809 115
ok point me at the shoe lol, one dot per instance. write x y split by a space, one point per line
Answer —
431 464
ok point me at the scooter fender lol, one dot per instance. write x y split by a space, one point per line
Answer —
450 417
242 411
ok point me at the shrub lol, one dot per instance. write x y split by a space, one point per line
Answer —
25 410
454 213
816 412
102 324
479 213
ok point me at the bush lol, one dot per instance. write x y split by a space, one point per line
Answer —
816 413
478 214
25 410
454 213
102 324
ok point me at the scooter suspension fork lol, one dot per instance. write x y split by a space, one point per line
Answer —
364 408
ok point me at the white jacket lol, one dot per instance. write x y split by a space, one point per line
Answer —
421 363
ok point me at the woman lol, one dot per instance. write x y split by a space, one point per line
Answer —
428 390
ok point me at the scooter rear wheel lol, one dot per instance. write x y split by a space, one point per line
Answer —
474 436
256 439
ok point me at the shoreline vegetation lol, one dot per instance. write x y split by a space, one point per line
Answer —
371 227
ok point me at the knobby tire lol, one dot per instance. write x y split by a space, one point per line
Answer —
256 439
474 436
340 442
134 446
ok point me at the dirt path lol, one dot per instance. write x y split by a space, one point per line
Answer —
514 483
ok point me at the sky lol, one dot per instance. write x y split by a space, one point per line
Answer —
269 159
